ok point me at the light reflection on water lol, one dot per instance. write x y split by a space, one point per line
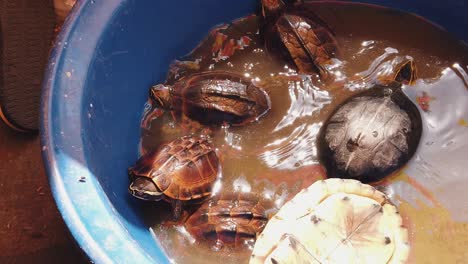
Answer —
296 150
306 99
288 145
440 160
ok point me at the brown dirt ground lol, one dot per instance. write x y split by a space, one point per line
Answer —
31 228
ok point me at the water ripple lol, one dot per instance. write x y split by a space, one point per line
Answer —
296 150
306 99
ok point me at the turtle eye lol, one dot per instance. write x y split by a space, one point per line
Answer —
145 189
158 94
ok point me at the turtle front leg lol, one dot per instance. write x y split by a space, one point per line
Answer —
178 217
176 209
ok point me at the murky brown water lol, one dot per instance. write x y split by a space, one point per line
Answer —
276 156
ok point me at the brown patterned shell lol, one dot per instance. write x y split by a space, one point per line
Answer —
299 36
233 219
184 169
215 97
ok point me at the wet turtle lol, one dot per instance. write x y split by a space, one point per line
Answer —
214 97
182 171
297 35
334 221
373 133
232 219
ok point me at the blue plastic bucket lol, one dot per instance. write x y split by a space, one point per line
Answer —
106 56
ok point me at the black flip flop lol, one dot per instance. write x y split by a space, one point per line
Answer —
26 34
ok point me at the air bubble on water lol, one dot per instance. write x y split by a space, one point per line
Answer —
248 66
375 133
171 124
233 140
218 245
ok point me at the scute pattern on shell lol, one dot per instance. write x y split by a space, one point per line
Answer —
309 44
293 32
184 169
383 128
370 135
216 96
320 222
232 218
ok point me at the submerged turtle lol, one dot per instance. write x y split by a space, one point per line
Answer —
214 97
334 221
182 171
298 36
374 132
231 219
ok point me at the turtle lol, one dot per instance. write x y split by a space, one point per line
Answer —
374 132
213 98
334 221
232 219
298 36
180 172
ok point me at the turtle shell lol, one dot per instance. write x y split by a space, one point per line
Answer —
232 219
298 36
334 221
184 169
215 97
370 135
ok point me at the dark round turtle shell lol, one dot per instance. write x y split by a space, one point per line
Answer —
184 169
216 97
231 219
370 135
297 35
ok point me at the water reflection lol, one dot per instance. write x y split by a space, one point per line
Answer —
441 157
296 150
306 99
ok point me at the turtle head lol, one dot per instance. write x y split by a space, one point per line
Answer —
272 8
400 69
405 71
160 95
145 189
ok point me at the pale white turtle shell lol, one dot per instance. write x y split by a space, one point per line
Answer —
334 221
